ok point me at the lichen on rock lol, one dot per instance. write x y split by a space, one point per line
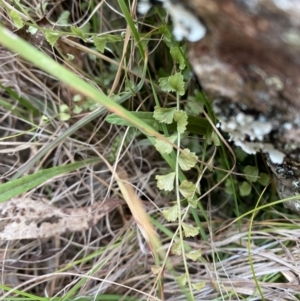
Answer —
185 24
247 61
249 65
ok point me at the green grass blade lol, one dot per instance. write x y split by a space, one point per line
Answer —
132 26
79 124
16 187
21 293
196 125
42 61
23 101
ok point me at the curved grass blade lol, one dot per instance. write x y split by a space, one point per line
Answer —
16 187
42 61
196 125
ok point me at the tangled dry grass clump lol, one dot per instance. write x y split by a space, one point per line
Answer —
46 126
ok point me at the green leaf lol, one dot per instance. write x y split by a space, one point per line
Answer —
193 202
194 255
210 164
215 138
13 188
177 55
64 116
44 6
164 84
44 119
86 28
176 248
193 107
166 182
70 57
63 19
245 189
165 31
263 179
32 29
174 83
100 43
17 20
77 97
171 214
77 109
251 173
177 83
182 280
187 160
164 115
187 189
240 154
63 108
199 286
189 230
181 118
164 147
229 186
52 37
78 32
212 137
198 124
129 85
113 38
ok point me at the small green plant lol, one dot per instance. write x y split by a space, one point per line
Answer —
119 70
253 175
180 160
